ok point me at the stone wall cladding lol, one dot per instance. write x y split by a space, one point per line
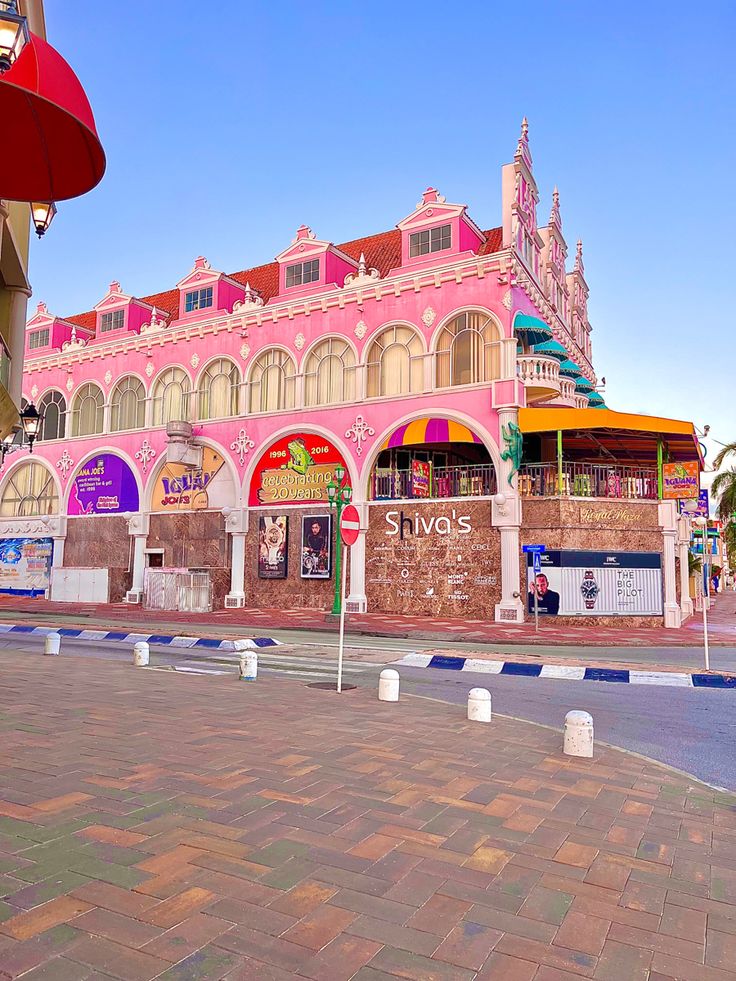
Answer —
100 543
195 540
436 570
575 523
292 592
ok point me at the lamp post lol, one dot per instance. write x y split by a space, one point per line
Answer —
13 34
339 493
31 420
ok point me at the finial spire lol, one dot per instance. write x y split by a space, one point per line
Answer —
579 257
361 264
522 148
555 218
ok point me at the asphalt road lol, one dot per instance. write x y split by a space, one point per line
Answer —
691 729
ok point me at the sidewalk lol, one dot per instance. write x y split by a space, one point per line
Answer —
161 826
223 623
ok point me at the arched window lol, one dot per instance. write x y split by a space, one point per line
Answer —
171 397
469 350
128 405
218 390
272 382
330 373
395 362
53 409
88 411
29 491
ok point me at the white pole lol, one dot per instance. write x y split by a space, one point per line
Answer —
705 633
342 619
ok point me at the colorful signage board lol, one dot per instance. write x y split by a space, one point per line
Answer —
421 478
104 485
696 509
295 470
680 480
273 546
25 565
577 583
184 488
316 546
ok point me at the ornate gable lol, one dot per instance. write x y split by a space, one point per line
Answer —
520 199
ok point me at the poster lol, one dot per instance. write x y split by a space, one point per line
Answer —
273 546
25 565
696 509
295 470
680 480
104 485
316 546
572 583
421 478
184 488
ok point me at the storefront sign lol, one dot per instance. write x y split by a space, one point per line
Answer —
616 515
295 470
183 488
698 509
316 546
273 546
421 478
104 485
572 583
25 565
680 480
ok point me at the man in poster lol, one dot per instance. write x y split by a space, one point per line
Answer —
316 546
548 601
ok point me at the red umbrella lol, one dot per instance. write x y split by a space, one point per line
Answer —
51 148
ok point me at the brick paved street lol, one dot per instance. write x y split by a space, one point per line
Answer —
157 825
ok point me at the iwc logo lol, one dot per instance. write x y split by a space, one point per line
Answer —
589 589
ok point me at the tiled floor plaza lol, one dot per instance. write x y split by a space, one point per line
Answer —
154 825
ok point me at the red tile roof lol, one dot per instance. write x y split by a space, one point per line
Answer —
382 252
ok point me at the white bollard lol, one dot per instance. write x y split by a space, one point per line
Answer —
141 653
578 739
52 644
388 686
479 705
249 666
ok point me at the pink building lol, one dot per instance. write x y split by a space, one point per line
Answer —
189 437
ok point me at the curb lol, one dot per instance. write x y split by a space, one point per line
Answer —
163 640
564 672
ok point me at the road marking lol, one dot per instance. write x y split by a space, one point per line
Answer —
672 678
482 666
567 671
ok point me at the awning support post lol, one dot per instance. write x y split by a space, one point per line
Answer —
559 462
659 468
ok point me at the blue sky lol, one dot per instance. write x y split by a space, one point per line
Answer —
227 125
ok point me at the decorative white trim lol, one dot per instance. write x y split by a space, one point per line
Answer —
363 276
65 464
145 454
508 299
194 361
361 329
242 445
428 317
245 351
108 376
69 383
359 431
299 341
149 369
34 391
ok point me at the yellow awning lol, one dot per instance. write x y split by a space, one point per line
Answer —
541 420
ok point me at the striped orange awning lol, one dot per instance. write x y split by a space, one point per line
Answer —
423 431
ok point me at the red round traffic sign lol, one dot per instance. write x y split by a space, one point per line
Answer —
350 525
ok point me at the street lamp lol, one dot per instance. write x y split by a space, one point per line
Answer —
31 420
13 34
339 493
43 214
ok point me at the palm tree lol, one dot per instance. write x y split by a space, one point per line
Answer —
724 485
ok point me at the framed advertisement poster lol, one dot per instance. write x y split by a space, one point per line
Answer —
316 546
577 583
273 546
25 565
104 485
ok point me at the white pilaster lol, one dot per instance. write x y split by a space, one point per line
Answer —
236 525
683 550
668 522
506 516
138 525
357 601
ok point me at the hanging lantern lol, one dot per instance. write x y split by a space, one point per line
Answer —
43 214
13 34
31 420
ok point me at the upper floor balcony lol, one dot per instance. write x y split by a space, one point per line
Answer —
588 480
541 377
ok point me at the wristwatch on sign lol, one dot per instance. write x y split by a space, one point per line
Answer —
589 589
274 537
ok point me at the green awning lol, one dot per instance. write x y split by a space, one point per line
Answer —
532 329
551 349
569 369
595 400
582 385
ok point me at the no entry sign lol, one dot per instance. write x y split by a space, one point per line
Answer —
350 525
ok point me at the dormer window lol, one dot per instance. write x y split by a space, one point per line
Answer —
112 320
430 240
38 338
302 272
198 299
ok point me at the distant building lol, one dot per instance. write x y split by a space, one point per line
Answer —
189 436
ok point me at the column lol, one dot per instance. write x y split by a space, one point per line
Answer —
356 601
236 525
17 340
668 522
506 515
683 550
138 530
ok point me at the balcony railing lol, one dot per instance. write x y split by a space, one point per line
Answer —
537 370
588 480
470 481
